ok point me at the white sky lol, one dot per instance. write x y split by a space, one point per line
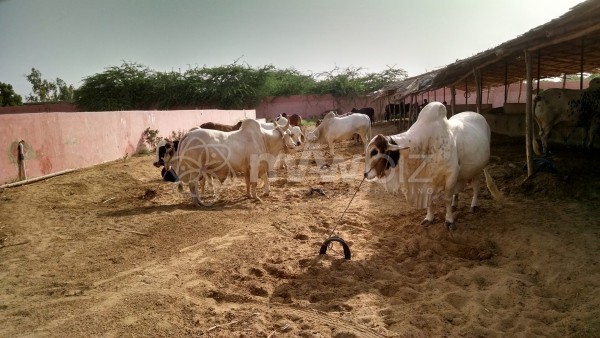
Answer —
72 39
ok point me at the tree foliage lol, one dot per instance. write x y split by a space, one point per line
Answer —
48 91
234 86
8 96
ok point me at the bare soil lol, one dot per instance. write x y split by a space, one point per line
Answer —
114 251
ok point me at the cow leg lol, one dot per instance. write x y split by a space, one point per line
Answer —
454 202
544 132
430 216
251 188
475 201
194 192
253 191
331 148
247 179
267 188
591 132
452 187
449 213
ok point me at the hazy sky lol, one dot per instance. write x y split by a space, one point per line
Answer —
72 39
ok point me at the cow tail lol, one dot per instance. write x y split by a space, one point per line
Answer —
489 181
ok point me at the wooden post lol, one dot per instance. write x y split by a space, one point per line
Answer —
477 76
21 160
453 100
581 64
505 82
529 115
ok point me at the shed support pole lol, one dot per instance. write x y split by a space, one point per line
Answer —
581 64
505 82
529 115
466 91
477 76
453 100
539 66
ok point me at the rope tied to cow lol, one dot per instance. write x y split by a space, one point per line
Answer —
328 244
344 212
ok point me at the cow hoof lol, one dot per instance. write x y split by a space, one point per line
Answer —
426 223
451 225
475 209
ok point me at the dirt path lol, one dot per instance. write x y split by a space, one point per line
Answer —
242 268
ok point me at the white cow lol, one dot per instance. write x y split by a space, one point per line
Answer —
205 153
570 107
436 154
334 128
294 132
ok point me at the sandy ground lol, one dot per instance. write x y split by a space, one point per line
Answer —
113 251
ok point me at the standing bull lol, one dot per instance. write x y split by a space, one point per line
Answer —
570 107
436 154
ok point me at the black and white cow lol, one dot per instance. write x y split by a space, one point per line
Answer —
571 108
370 112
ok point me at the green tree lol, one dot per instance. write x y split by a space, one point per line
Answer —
125 87
352 82
48 91
233 86
287 82
8 97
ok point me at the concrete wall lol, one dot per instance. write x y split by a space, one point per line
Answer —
69 140
309 106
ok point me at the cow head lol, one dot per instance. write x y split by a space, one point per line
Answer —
237 126
286 134
165 150
381 155
297 135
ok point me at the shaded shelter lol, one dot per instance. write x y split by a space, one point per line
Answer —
569 44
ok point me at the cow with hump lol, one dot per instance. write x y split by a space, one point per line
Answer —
570 107
207 153
334 128
435 155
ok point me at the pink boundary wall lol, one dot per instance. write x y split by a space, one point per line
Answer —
309 106
71 140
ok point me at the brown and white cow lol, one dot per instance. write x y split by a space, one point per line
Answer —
221 127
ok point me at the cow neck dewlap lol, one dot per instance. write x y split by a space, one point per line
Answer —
424 171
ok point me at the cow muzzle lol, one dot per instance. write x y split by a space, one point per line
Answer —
169 175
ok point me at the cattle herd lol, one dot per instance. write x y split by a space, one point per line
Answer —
435 157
